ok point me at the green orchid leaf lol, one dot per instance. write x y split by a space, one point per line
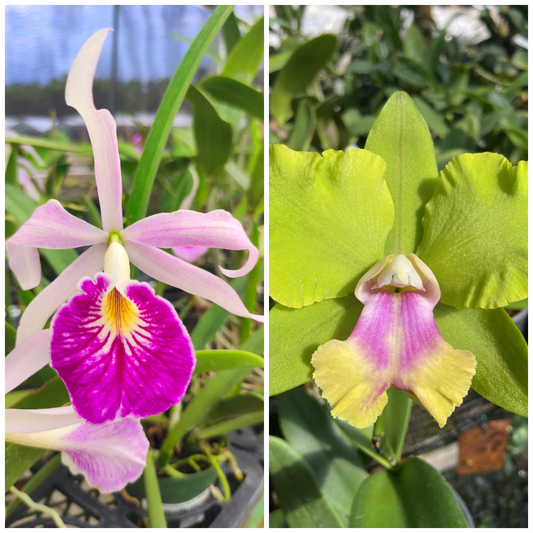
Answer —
235 94
245 58
18 459
500 350
299 71
214 318
297 490
39 142
215 389
475 232
11 168
233 424
213 360
413 495
213 135
304 126
295 334
329 218
231 33
312 431
401 137
10 338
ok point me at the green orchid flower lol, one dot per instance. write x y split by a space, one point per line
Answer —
432 257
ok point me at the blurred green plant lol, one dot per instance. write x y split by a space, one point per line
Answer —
473 96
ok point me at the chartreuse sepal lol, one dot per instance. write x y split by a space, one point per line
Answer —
402 138
475 236
329 218
395 343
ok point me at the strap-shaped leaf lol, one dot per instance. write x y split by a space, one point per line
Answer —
413 495
297 490
500 350
475 231
312 431
295 334
299 71
401 137
329 218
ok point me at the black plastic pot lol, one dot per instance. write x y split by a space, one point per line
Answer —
208 513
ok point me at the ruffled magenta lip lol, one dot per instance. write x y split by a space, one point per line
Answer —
121 354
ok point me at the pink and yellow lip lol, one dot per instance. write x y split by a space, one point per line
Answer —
395 343
120 351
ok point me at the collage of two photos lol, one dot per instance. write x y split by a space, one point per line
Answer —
293 298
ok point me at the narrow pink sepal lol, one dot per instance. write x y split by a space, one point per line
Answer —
173 271
121 354
189 253
51 227
102 130
60 290
217 229
27 358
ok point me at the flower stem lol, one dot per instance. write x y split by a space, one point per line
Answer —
153 495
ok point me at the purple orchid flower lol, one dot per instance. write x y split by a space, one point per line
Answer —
96 451
121 350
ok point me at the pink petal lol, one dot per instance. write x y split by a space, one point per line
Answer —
217 229
60 290
121 355
173 271
395 342
27 358
109 455
52 227
189 253
102 130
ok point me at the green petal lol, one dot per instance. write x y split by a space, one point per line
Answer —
295 334
500 350
329 218
413 495
401 137
475 232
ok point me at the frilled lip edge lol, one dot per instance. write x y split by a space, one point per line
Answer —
395 342
109 455
121 351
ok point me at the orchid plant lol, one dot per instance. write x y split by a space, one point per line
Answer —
121 350
390 281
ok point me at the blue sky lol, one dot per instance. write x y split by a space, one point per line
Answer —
42 41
